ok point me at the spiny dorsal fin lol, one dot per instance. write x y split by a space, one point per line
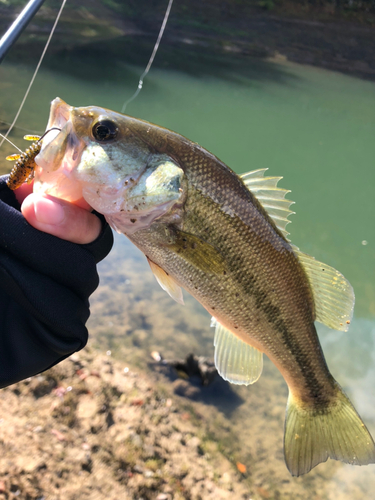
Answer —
236 361
270 196
166 282
333 294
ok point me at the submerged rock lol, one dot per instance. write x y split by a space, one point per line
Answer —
194 366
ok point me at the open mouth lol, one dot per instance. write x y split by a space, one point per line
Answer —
59 155
59 113
58 117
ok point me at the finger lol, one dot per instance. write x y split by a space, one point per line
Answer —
61 219
23 191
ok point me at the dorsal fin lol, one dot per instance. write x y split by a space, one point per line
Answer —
270 196
333 294
235 360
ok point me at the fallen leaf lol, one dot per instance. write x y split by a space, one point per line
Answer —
82 375
241 467
263 492
137 402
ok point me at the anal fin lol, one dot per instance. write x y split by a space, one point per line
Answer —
166 282
235 360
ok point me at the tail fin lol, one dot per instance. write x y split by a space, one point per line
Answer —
312 435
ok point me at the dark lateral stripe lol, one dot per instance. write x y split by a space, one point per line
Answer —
202 216
273 314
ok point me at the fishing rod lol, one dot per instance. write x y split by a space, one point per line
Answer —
4 138
23 19
20 24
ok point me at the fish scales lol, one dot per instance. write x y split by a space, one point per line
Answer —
249 296
244 249
202 228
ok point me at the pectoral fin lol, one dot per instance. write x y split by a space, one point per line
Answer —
198 253
235 360
166 282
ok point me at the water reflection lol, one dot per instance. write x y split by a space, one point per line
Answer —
186 59
352 361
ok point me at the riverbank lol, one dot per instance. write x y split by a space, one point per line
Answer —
340 40
92 428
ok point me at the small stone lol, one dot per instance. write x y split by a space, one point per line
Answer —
87 407
194 442
34 465
225 478
156 356
137 440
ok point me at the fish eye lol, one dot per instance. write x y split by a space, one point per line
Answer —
104 130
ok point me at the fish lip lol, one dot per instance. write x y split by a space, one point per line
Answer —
58 156
59 113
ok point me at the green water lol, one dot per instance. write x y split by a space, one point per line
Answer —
313 127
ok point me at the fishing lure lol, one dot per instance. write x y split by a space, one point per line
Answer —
24 167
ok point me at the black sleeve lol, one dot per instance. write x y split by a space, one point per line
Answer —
45 283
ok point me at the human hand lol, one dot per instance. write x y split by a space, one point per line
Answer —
68 221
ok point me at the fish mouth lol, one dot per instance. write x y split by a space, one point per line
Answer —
59 113
57 135
60 153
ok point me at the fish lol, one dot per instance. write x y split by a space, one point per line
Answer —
223 238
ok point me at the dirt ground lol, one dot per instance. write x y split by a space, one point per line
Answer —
97 428
94 429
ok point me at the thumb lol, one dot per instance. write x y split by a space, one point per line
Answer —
61 218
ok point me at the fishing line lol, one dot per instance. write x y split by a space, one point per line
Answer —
35 73
20 128
140 84
10 142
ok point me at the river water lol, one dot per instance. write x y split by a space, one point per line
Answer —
311 126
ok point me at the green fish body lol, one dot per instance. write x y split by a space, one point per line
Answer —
221 237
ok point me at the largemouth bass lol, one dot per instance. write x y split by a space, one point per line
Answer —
223 238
